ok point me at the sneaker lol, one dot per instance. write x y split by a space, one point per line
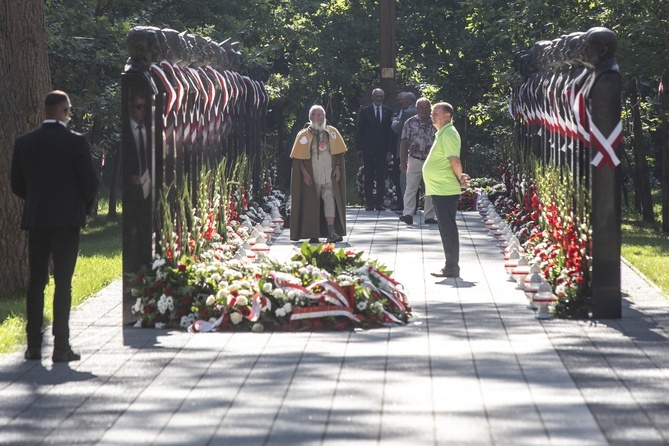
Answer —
408 219
333 237
430 221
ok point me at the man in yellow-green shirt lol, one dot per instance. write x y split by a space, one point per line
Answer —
443 176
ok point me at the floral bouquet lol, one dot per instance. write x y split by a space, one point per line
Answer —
320 288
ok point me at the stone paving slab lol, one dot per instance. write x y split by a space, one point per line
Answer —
474 367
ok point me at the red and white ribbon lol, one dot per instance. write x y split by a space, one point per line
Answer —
606 146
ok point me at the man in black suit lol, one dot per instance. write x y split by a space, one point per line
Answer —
52 170
373 139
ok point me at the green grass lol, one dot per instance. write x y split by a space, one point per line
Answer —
645 246
99 264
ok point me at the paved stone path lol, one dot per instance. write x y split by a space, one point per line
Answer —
474 367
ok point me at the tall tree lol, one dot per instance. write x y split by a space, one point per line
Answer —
24 81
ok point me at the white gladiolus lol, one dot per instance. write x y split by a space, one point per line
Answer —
157 263
137 308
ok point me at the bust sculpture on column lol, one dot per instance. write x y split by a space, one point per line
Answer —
605 136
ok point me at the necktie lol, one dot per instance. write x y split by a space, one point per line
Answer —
378 114
142 148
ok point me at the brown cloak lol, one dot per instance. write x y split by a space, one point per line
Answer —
307 219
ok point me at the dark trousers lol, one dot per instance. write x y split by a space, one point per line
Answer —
446 208
374 168
62 244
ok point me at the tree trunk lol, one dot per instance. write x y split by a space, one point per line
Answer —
641 173
24 81
664 151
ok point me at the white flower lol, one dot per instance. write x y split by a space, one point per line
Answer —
160 325
210 300
222 294
280 312
216 277
185 322
288 308
235 318
303 271
344 280
257 327
162 304
137 308
378 305
242 301
267 288
278 293
362 305
157 263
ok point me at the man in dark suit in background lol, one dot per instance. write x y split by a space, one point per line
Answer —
52 170
373 140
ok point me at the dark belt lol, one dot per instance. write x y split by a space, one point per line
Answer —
418 158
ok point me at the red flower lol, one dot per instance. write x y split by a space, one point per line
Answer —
182 267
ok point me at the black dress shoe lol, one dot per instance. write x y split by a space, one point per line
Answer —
314 240
369 208
33 354
445 274
379 207
430 221
65 356
408 219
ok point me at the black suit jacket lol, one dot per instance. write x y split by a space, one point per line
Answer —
372 137
52 170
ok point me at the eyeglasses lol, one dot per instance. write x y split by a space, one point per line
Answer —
139 106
